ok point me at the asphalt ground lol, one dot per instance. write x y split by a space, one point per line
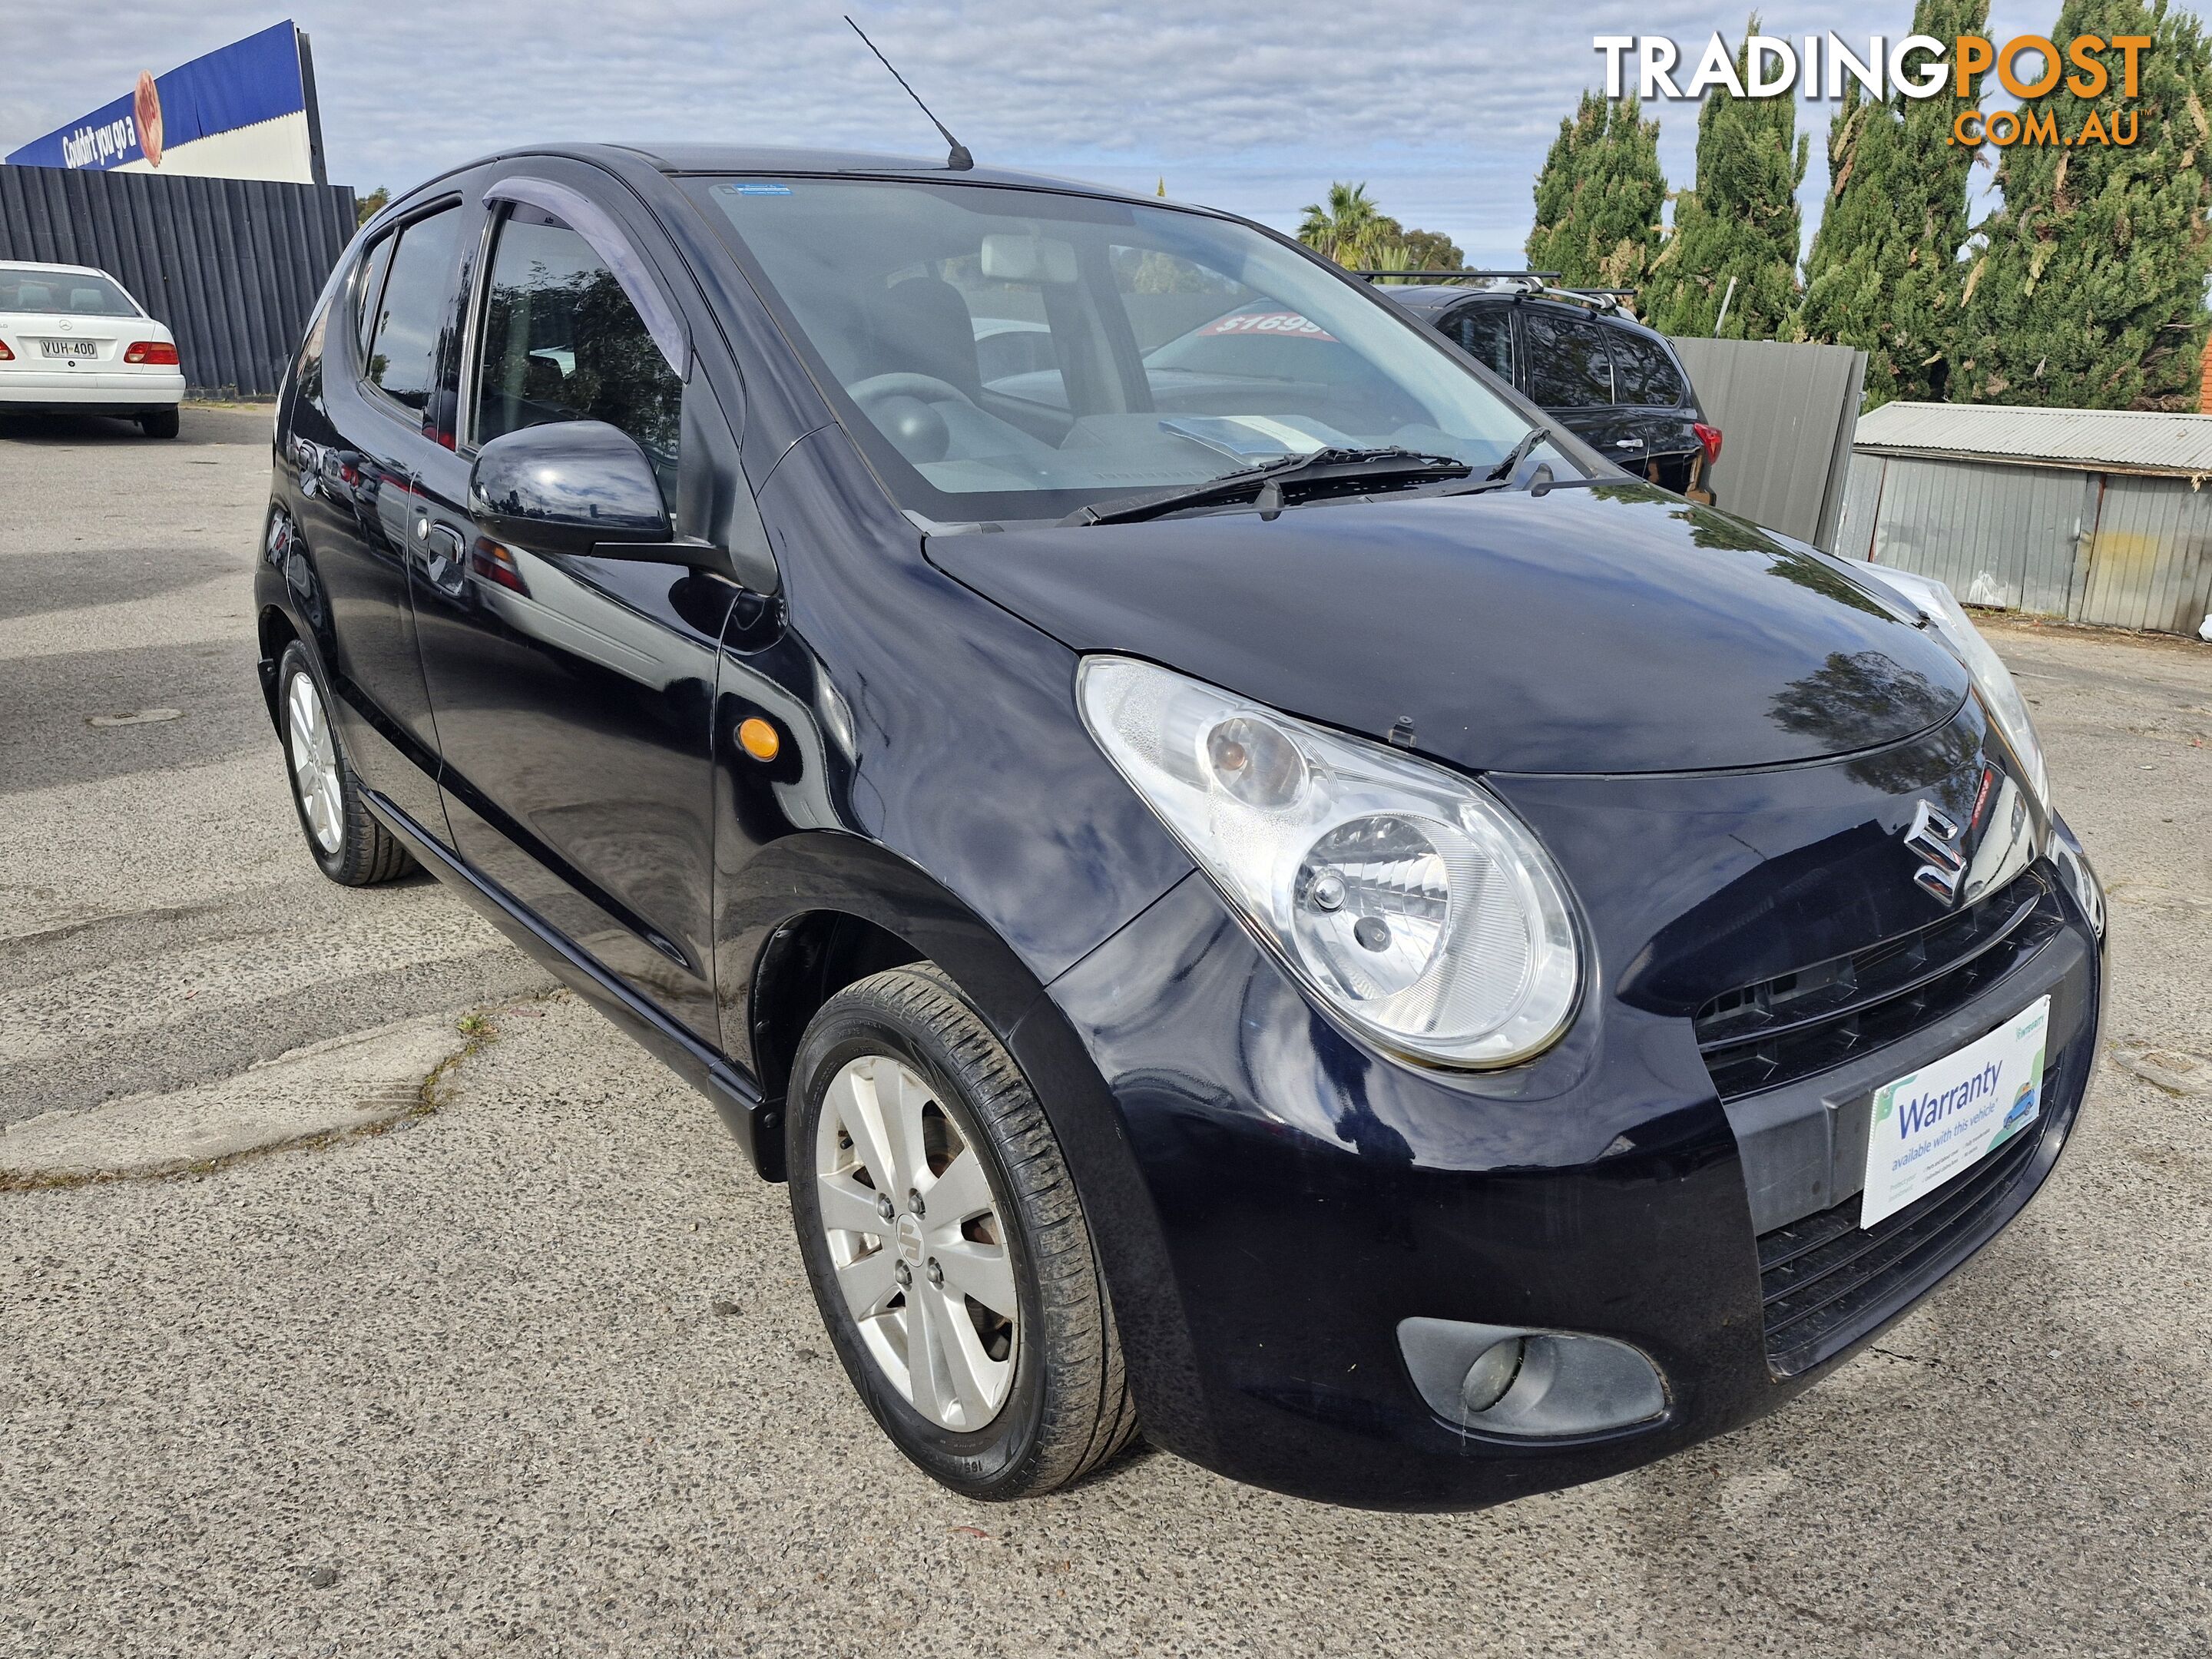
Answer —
519 1359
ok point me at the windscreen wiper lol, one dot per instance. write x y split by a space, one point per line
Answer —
1265 482
1541 483
1520 453
1502 475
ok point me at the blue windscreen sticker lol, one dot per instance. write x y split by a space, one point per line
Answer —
757 187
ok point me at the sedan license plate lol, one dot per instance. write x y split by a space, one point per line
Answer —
1944 1119
70 348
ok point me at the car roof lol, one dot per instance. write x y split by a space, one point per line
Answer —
1424 297
37 264
1435 298
677 160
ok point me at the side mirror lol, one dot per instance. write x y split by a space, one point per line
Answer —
569 487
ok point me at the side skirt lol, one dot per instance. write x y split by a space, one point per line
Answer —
756 1123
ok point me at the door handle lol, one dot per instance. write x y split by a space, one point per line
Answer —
1630 443
447 566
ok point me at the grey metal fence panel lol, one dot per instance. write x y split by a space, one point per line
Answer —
1997 536
1786 413
231 266
2151 565
1862 500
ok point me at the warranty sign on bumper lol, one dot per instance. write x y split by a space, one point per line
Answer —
1944 1119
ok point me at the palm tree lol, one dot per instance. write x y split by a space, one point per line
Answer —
1345 229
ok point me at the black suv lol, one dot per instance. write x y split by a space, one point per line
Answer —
1613 383
1249 886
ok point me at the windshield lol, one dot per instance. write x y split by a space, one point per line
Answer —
1016 354
72 293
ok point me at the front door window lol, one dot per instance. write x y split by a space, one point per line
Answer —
561 342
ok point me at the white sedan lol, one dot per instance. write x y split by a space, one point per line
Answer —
72 340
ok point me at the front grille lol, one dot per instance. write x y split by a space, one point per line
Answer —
1796 1025
1822 1280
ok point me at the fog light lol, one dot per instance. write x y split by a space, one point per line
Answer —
1495 1379
1492 1375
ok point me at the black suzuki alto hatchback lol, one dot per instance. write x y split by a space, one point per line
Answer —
1302 910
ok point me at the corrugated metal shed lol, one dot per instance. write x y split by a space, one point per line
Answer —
2151 563
2000 536
2096 515
231 265
2102 439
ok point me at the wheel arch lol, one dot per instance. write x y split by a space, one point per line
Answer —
807 961
830 893
286 591
275 631
812 913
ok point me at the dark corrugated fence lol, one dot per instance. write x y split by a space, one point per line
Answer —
231 265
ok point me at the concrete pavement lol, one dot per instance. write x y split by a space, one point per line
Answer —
533 1370
158 926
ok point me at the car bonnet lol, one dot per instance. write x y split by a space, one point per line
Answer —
1620 630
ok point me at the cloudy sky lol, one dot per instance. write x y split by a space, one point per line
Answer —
1444 110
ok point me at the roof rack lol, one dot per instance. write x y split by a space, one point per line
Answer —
1537 276
1543 283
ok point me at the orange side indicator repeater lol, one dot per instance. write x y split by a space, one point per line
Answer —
759 739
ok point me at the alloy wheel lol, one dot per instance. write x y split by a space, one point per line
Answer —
314 763
917 1242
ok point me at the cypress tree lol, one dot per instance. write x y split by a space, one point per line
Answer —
2090 291
1884 275
1740 222
1599 197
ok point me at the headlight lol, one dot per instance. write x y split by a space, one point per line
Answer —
1401 895
1991 678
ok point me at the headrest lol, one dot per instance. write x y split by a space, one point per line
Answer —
924 326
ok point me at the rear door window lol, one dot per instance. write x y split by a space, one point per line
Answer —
403 348
370 295
1643 371
1485 333
1568 367
561 342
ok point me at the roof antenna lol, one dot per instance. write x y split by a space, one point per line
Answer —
959 161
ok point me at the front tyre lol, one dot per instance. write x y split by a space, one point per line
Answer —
945 1244
349 846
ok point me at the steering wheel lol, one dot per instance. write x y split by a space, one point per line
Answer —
878 387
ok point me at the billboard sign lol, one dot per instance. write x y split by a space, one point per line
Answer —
244 110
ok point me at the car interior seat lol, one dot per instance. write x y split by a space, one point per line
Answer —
922 326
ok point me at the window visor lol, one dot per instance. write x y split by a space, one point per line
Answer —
589 220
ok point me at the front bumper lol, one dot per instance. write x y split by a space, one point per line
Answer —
1308 1196
43 390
